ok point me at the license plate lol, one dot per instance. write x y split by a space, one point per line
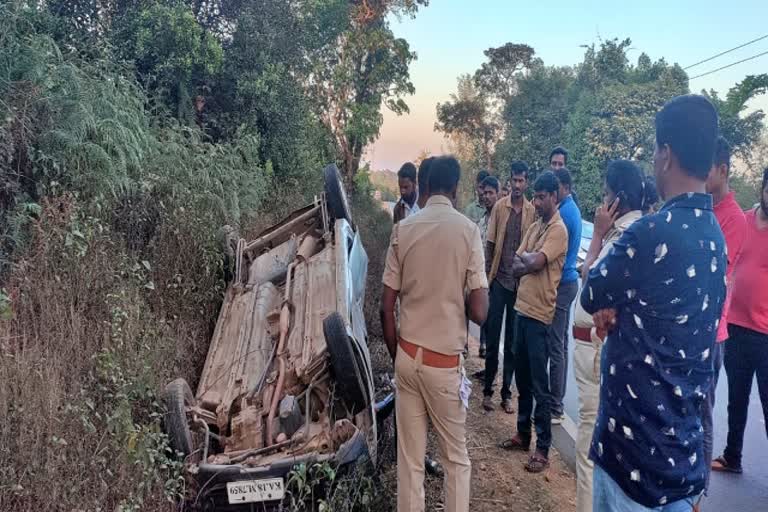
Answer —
255 491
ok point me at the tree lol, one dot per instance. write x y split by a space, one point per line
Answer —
498 77
364 68
535 117
741 130
173 55
423 155
468 120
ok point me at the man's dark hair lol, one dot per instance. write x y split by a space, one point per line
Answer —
688 124
444 175
547 182
481 176
492 182
408 170
559 150
563 175
424 169
518 167
651 193
627 181
723 153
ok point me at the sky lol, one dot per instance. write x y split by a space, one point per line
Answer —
449 37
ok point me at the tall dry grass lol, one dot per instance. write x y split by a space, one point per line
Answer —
97 329
95 333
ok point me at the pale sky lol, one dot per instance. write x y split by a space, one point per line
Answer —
450 36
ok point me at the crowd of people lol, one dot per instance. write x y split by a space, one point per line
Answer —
662 299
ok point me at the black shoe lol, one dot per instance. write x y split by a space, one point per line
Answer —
433 467
479 375
482 351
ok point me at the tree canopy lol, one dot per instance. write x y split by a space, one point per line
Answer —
516 107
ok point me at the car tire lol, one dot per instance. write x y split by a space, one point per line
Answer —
176 398
336 197
351 386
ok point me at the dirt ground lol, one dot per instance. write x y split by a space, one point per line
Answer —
499 481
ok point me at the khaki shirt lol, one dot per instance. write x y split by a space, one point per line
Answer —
432 258
497 228
537 292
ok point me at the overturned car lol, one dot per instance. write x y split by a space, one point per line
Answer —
288 377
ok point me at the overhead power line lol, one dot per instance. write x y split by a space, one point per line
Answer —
729 65
727 51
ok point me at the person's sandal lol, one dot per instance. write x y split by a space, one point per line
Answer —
507 406
537 463
721 465
488 404
516 444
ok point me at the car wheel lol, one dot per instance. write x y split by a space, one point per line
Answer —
176 398
347 370
336 197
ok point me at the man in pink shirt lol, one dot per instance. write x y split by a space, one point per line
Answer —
731 219
746 353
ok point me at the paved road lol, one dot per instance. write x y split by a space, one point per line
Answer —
729 493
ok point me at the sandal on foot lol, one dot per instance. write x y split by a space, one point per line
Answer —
721 465
507 406
537 463
516 444
488 404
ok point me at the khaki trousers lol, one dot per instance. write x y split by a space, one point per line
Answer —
430 393
588 381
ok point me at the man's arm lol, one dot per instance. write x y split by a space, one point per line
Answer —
528 263
476 281
735 232
388 322
478 305
490 249
392 283
555 245
490 236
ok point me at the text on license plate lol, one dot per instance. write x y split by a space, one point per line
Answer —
253 491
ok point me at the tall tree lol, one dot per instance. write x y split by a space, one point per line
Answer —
534 118
741 129
467 118
364 68
498 76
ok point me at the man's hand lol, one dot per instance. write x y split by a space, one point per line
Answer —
605 321
605 216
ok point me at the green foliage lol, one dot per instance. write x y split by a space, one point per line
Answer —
740 129
600 110
319 487
130 132
499 76
747 191
536 116
468 118
365 67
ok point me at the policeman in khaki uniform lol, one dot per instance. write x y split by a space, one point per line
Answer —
433 257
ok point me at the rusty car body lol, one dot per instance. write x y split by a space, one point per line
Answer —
288 377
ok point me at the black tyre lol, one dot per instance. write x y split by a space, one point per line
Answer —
176 398
351 384
338 205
